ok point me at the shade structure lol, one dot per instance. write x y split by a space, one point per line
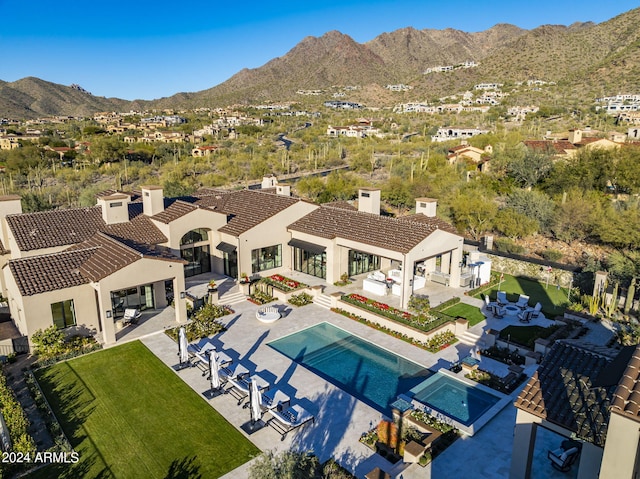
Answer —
182 346
255 399
214 376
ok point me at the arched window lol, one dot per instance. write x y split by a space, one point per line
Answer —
194 248
194 236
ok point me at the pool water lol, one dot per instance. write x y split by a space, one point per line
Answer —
368 372
453 398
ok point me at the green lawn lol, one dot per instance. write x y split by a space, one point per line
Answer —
553 300
466 311
128 415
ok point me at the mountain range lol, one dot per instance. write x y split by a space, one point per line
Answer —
585 59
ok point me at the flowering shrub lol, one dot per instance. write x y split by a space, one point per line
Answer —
424 322
283 283
440 341
301 299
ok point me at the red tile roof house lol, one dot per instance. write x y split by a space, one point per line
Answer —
79 268
588 394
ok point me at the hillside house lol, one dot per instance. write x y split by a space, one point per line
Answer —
455 133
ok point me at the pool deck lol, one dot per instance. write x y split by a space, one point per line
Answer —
340 418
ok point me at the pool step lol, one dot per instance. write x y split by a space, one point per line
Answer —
232 297
323 300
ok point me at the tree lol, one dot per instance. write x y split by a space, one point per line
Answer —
473 213
513 224
577 216
285 465
533 204
531 168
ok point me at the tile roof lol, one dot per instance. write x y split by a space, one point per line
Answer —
40 274
397 234
345 205
175 210
92 260
563 392
48 229
560 146
626 399
245 209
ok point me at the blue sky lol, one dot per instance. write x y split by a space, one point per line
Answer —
151 49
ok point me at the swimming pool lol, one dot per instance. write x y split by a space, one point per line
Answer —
368 372
464 403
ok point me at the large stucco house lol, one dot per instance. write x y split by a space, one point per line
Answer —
80 268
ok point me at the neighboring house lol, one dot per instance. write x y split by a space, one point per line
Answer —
204 150
576 140
9 142
557 148
590 395
454 133
464 151
80 268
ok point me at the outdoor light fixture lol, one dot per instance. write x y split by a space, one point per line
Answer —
182 295
109 314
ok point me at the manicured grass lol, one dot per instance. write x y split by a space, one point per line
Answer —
553 300
128 415
466 311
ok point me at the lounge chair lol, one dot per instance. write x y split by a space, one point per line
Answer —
497 311
235 372
488 303
536 310
239 387
290 419
131 315
275 399
523 301
525 316
501 298
563 460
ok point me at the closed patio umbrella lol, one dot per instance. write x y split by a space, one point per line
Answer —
214 377
255 400
182 346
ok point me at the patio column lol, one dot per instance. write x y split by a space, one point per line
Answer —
106 308
179 302
407 282
524 440
456 259
445 263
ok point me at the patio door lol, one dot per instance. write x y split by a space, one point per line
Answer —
231 264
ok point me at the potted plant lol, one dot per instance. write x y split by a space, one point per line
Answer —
244 278
212 285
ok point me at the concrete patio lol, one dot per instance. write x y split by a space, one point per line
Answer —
340 418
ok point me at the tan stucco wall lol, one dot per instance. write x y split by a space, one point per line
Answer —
143 271
270 233
621 448
32 313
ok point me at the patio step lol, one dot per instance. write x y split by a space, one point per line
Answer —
323 300
471 338
232 298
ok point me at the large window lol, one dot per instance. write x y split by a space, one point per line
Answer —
194 248
266 258
310 263
360 262
64 314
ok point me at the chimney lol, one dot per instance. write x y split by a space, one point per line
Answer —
575 136
152 200
9 205
426 206
115 208
369 200
284 190
269 182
